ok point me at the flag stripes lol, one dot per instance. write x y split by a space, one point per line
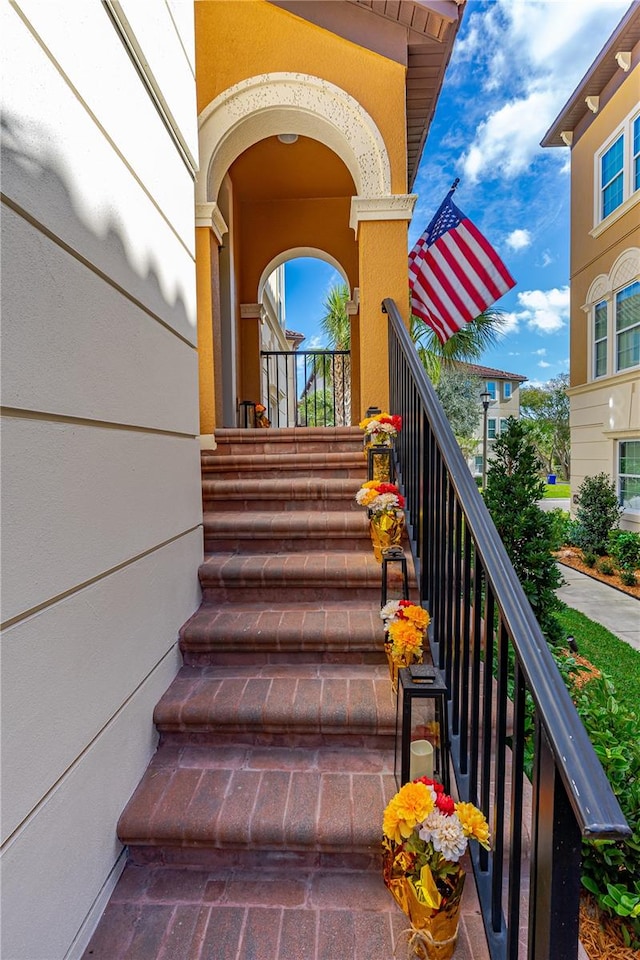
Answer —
454 272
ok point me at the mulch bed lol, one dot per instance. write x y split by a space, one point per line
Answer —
600 935
572 557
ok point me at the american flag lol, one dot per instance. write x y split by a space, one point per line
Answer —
454 272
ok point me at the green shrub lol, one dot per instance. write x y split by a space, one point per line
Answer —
624 547
611 868
598 511
589 558
560 527
629 578
512 494
605 566
575 534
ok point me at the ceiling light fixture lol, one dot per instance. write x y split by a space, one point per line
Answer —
287 137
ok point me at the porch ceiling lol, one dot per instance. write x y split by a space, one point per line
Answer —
418 33
271 171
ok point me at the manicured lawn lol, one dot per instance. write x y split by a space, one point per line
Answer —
557 491
613 656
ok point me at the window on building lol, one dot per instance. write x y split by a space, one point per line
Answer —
491 389
627 306
506 390
629 474
600 339
636 154
478 464
618 168
491 428
503 424
612 177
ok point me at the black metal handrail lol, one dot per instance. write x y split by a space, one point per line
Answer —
307 388
496 660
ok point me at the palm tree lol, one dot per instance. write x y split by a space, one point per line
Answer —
466 346
336 326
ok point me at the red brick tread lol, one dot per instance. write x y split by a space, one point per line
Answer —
160 913
274 703
289 625
260 799
301 523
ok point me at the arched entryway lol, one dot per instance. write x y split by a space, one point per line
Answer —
288 162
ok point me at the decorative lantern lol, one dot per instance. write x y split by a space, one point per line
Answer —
422 729
391 555
247 413
380 463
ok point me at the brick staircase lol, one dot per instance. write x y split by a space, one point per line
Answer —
255 831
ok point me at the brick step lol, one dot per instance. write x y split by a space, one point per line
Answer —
307 705
235 466
157 911
289 632
288 440
285 532
254 806
289 494
264 578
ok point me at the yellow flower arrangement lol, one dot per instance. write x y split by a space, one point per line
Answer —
473 823
406 640
410 806
425 833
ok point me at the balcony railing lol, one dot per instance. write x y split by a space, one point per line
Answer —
310 388
498 668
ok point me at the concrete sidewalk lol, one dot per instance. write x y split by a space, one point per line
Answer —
617 611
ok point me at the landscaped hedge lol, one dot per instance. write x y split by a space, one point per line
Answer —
611 869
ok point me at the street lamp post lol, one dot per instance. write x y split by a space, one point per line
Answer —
485 396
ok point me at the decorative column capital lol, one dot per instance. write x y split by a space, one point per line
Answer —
208 215
397 206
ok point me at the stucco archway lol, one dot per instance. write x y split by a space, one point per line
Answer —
294 254
273 103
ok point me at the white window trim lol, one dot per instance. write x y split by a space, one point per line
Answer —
625 270
507 384
495 389
633 439
616 332
630 197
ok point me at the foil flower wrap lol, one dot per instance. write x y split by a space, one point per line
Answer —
434 922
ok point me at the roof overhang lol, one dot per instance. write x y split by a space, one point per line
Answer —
417 33
605 75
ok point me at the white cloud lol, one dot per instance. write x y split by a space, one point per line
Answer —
510 323
540 353
546 258
538 52
545 310
315 343
543 363
519 239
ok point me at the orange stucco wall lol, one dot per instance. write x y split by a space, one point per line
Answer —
590 255
281 203
265 39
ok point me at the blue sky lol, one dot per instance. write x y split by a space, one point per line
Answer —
515 63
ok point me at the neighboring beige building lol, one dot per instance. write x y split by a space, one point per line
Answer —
504 391
601 124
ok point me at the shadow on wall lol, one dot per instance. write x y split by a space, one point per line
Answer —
34 184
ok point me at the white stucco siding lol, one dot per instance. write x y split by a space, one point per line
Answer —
101 502
63 669
60 167
103 75
603 414
100 338
56 865
95 498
